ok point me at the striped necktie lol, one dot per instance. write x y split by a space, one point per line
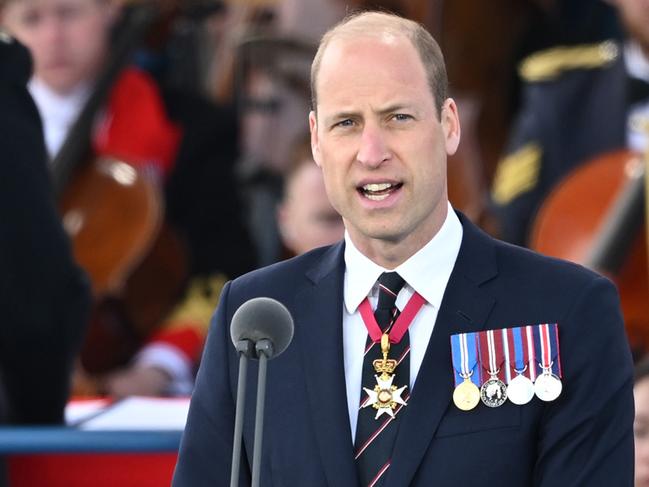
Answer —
374 440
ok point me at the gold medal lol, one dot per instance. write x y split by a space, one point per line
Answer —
385 397
466 395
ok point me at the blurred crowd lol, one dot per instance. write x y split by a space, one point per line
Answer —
153 150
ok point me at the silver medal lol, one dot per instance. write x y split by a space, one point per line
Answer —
547 386
493 392
520 390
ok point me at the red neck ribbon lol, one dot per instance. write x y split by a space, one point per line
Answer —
400 326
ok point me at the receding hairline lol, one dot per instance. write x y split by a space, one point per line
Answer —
377 24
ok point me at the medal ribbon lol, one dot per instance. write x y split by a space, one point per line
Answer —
554 343
491 353
515 337
547 341
531 352
507 350
465 357
399 327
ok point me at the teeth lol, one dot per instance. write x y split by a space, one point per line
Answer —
374 187
376 197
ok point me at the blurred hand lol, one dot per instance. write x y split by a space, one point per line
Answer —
136 381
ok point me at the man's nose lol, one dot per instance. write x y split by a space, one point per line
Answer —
373 149
51 30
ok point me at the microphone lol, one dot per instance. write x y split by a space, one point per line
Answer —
262 328
262 319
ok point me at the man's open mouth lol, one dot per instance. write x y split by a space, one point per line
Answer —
378 191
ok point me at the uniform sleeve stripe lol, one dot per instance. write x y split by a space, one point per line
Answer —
517 173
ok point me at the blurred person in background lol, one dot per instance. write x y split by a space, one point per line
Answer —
44 296
305 216
570 185
578 102
182 142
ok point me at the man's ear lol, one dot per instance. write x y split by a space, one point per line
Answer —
315 143
450 121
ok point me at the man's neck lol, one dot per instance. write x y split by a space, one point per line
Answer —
391 253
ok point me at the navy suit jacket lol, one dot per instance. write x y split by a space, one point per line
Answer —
583 438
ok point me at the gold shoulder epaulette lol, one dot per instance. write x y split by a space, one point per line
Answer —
548 64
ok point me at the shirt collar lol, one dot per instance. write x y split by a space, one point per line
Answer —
58 112
53 103
637 65
426 272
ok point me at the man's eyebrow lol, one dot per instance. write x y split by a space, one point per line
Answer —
395 108
340 116
345 114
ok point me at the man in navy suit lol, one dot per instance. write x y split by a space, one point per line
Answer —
382 127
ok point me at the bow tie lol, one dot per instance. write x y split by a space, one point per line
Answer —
637 90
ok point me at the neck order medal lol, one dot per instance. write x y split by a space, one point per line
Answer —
385 396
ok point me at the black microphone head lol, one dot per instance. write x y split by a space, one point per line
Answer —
263 318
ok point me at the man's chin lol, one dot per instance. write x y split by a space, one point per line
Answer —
61 83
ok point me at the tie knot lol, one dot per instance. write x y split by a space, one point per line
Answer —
390 283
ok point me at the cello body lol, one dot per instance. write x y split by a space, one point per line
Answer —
576 218
114 215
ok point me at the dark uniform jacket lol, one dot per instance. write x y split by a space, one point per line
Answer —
44 296
574 108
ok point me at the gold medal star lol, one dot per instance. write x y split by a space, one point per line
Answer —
385 397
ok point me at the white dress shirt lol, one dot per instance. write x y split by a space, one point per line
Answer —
58 112
427 272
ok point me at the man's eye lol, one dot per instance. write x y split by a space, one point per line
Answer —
344 123
401 117
30 19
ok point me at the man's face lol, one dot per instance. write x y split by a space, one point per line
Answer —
635 15
380 143
306 218
67 38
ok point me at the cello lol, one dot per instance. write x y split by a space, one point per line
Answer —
607 234
114 214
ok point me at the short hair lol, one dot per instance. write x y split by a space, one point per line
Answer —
368 23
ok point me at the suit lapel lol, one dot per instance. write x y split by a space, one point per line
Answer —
465 307
319 316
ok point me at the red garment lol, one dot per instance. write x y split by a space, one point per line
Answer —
185 337
135 127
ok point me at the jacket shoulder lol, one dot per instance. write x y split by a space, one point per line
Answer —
282 277
552 63
524 264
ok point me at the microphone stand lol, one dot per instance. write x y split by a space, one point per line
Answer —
246 350
265 351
